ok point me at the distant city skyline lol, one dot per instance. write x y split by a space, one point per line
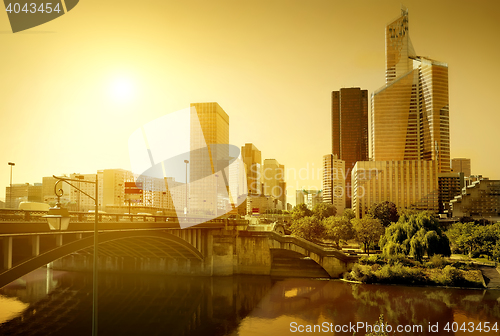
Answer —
72 93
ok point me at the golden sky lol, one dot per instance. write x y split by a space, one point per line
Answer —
74 89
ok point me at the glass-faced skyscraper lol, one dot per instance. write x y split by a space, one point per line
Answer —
410 117
350 130
209 159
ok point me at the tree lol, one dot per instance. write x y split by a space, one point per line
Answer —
415 234
386 212
368 230
308 227
349 214
301 210
339 229
470 237
324 210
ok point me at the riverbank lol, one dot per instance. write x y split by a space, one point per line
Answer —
400 270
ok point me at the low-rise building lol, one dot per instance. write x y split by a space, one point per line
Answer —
409 184
481 199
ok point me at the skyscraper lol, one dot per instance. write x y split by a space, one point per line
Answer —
410 117
334 182
350 130
209 159
252 158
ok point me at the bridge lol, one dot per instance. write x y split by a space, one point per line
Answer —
157 244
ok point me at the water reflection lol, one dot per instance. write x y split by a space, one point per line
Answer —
241 305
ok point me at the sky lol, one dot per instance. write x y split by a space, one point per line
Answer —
73 90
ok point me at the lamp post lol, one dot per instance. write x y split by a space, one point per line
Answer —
186 208
58 219
11 164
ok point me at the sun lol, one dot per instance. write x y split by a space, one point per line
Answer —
122 89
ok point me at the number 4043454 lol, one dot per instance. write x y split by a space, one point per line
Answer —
33 8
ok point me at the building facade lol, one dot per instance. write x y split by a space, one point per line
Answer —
450 185
273 180
408 184
350 130
480 199
461 165
209 158
309 197
23 192
410 113
334 191
252 158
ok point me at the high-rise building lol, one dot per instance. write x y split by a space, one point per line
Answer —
410 117
334 191
408 184
461 165
273 178
209 159
350 130
252 158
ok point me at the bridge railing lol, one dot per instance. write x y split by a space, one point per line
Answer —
15 215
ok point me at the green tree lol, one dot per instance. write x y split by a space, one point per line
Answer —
301 210
367 230
339 229
470 237
308 227
324 210
415 234
386 212
349 214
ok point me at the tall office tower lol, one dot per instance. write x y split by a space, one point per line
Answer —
334 182
461 165
209 159
252 158
350 130
408 184
273 178
410 117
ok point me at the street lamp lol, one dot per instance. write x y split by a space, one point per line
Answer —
58 219
186 208
11 164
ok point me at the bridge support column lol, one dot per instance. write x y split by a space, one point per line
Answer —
7 252
59 240
35 246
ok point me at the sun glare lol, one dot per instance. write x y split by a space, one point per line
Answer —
122 89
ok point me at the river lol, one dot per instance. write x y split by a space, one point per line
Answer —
50 302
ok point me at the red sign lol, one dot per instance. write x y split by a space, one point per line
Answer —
133 191
133 185
255 210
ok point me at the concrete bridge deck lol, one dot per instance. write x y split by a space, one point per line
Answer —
156 244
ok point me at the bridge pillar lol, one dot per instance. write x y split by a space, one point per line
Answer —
35 246
7 252
59 240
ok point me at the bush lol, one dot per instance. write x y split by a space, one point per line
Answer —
371 260
450 276
437 261
401 259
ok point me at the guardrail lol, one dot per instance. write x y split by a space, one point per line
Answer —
15 215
